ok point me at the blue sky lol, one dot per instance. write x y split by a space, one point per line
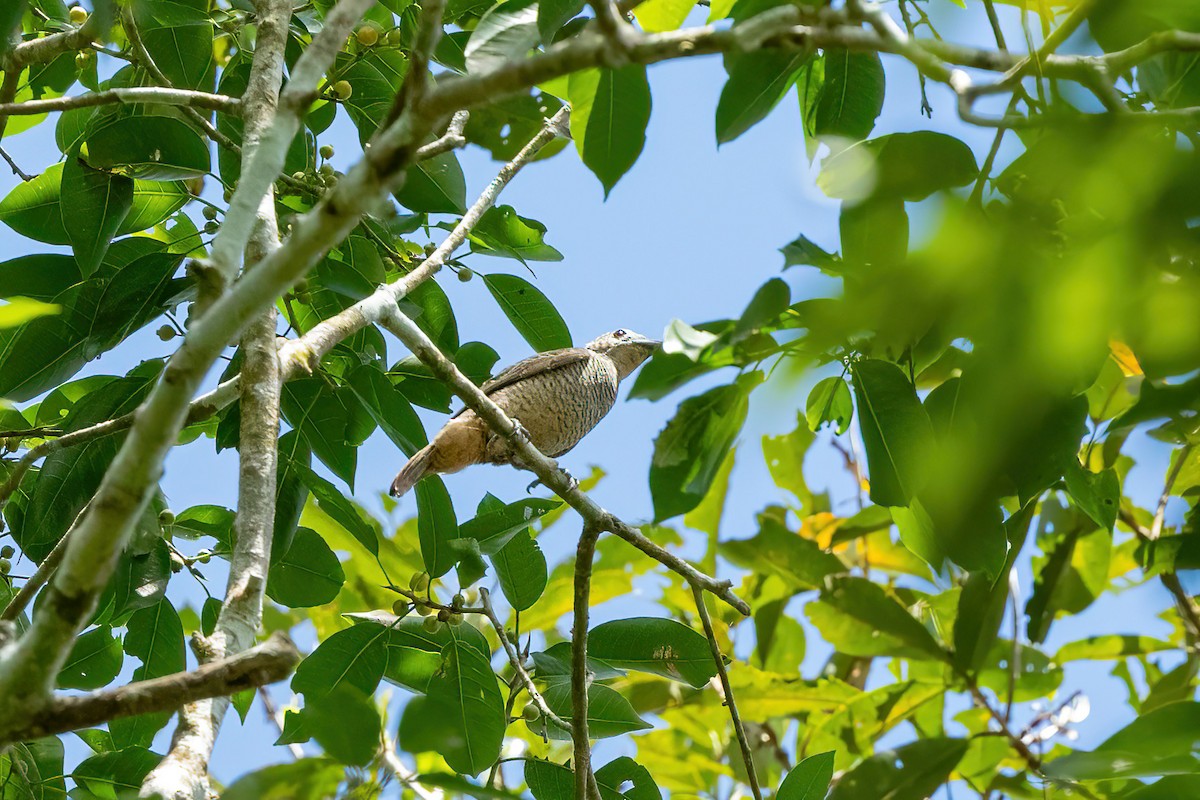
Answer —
690 233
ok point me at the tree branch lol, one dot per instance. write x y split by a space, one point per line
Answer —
585 779
730 702
271 661
514 658
183 772
136 94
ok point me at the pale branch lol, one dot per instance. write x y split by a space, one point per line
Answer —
393 764
730 703
8 92
452 139
266 163
183 772
620 34
28 666
135 94
1015 741
514 658
585 778
47 48
417 78
271 661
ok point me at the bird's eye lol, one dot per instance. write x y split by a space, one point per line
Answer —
620 334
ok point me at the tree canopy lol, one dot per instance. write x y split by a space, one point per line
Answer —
999 345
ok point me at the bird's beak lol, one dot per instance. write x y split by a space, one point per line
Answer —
649 344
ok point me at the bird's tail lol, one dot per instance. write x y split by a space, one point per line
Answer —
417 468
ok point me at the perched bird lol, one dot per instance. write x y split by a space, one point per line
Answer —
557 396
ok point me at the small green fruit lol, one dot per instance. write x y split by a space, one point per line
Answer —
419 582
12 444
166 333
443 615
456 619
394 37
328 170
457 601
78 15
424 609
342 90
400 607
326 151
429 248
5 566
531 712
166 517
210 212
7 551
431 624
368 36
211 227
465 274
204 557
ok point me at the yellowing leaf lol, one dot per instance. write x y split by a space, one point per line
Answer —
1124 357
19 310
656 16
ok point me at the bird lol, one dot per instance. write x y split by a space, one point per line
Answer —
557 396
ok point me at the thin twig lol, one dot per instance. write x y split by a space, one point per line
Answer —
41 575
135 94
585 779
276 717
994 21
514 658
24 176
730 702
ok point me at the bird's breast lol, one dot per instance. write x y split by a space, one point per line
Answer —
559 407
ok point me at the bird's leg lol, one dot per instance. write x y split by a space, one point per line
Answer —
571 479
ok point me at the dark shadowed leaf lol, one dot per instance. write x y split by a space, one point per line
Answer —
95 660
436 525
155 637
106 774
346 724
912 772
435 185
179 37
466 693
306 779
155 148
530 311
758 80
98 203
609 713
307 575
521 569
355 656
895 430
851 96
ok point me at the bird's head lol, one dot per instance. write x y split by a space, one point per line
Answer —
626 348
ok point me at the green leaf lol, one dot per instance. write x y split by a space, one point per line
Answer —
346 724
1108 647
908 166
98 203
375 76
609 113
800 562
97 315
467 697
912 772
323 417
1097 494
784 456
154 636
355 656
119 771
689 450
851 96
19 310
435 185
659 16
658 646
94 662
874 232
179 37
436 526
808 780
508 31
531 313
1047 446
803 252
496 523
291 492
609 713
391 412
155 148
860 618
550 781
305 779
769 301
521 569
829 402
758 80
342 510
553 14
307 575
503 232
1159 742
895 429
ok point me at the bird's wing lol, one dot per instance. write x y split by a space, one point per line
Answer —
534 365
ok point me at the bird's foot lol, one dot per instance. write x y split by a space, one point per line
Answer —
572 482
518 432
